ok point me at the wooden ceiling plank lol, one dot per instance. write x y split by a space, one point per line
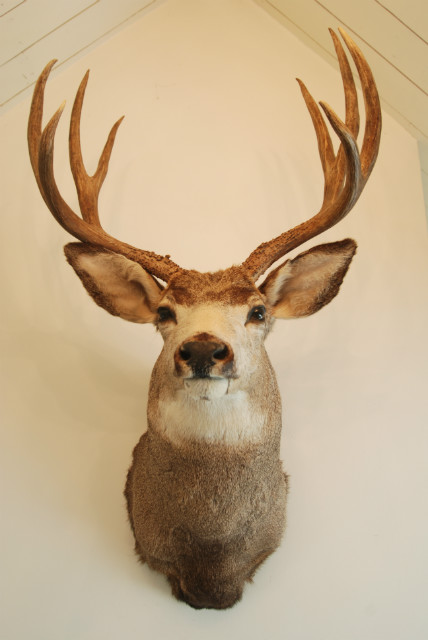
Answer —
389 36
9 5
31 21
413 14
85 30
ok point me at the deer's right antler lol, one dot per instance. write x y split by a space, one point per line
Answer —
86 228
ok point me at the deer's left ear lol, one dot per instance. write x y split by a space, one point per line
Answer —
304 285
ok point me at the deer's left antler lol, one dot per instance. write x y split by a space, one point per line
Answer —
345 173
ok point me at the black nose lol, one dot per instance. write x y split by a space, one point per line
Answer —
201 355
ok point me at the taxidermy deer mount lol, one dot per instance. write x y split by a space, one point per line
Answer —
206 492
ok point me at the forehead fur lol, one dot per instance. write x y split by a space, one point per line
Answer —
231 286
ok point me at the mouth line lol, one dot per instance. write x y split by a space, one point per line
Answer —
207 377
196 376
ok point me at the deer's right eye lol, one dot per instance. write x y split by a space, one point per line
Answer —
165 314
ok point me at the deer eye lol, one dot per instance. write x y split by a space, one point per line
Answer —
165 314
257 314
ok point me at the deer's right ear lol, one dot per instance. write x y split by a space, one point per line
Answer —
119 285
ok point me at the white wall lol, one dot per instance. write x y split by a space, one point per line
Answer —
215 155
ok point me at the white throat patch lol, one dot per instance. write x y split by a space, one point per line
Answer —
204 411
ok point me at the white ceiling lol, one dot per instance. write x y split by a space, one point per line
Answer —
392 33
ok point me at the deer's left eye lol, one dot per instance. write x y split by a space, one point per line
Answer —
257 314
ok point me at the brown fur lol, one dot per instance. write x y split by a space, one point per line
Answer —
205 516
231 286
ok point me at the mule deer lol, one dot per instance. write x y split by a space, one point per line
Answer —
206 492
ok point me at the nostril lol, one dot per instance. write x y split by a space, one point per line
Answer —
185 354
221 353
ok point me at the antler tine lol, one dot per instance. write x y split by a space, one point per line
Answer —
34 131
335 168
352 120
88 187
346 173
86 228
371 140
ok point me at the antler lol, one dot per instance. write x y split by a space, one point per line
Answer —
86 228
346 173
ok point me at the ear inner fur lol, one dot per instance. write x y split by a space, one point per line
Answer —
302 286
117 284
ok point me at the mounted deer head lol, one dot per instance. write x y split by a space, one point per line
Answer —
206 492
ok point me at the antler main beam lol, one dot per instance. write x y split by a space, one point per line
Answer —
346 173
86 228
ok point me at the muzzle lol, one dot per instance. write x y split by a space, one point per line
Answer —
204 356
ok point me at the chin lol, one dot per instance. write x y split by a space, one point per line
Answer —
206 388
